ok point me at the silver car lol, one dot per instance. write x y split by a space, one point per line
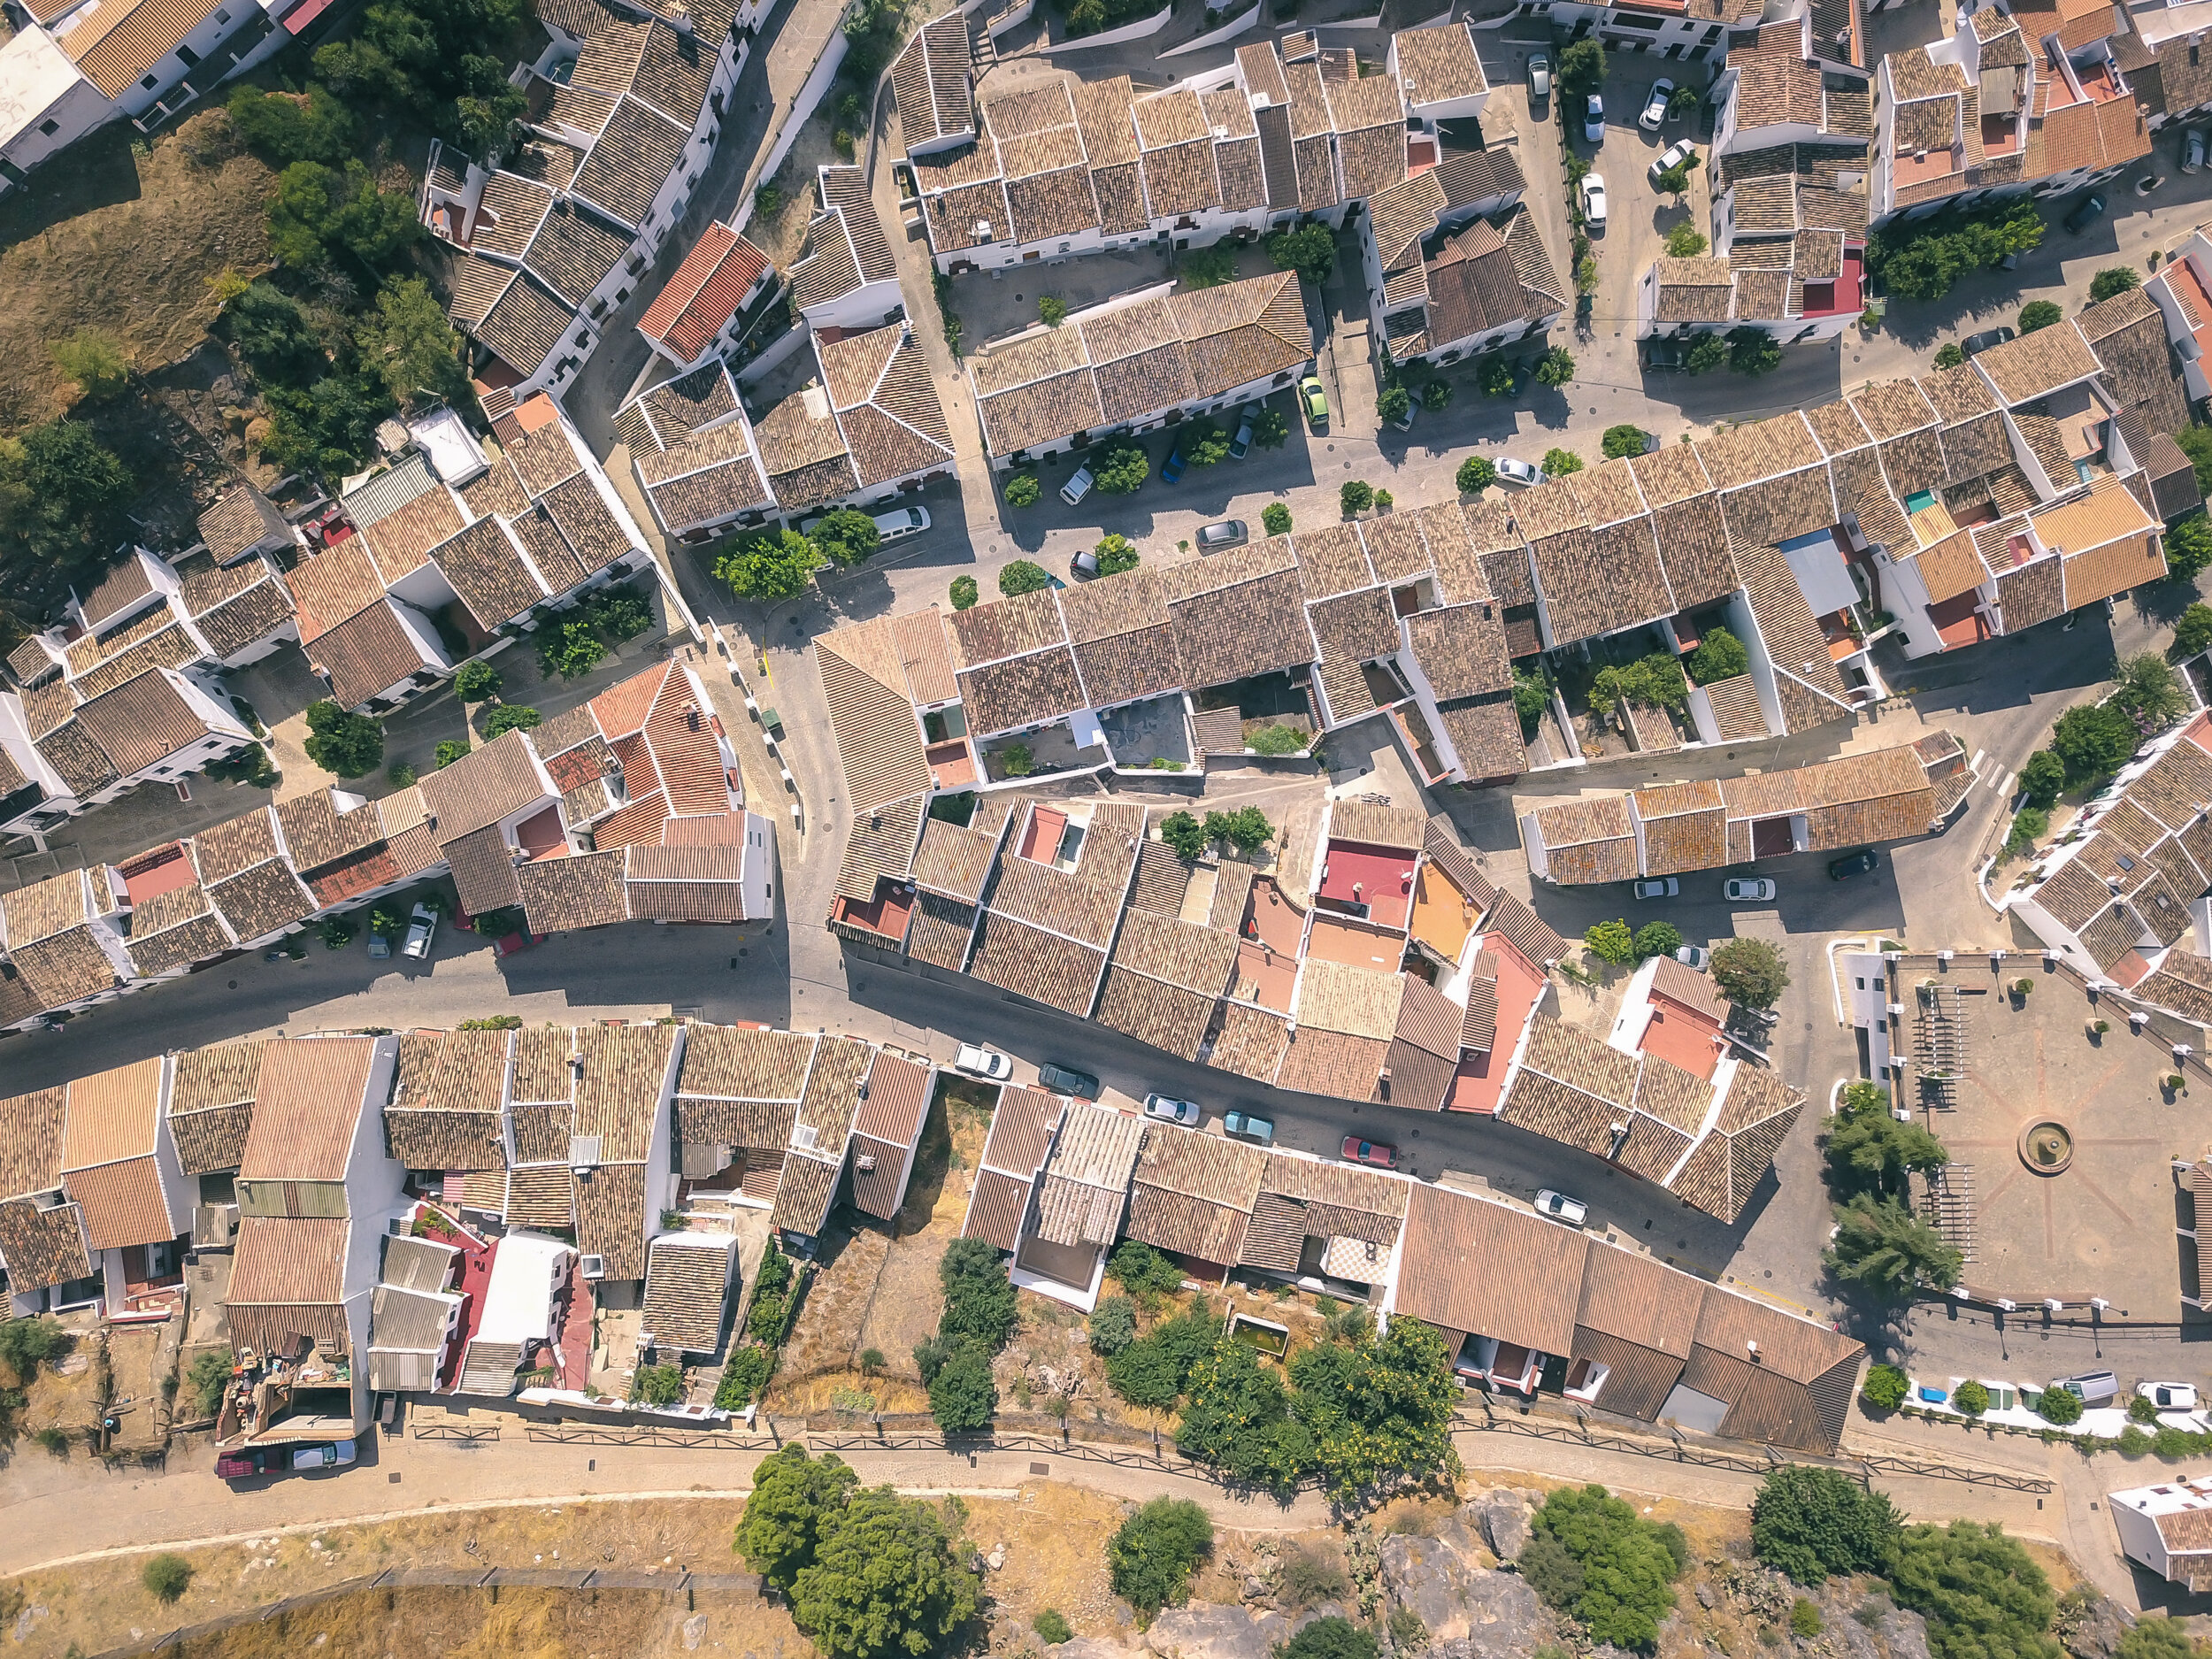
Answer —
1539 77
1240 445
1514 470
1228 533
1167 1109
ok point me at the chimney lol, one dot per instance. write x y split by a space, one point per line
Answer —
1753 1349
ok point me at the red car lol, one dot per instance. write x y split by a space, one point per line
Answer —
1359 1151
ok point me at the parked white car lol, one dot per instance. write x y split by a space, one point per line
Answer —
977 1061
1592 189
1073 491
1747 889
1656 105
1675 155
905 522
1511 470
1593 121
1559 1207
422 927
2168 1396
1693 956
1167 1109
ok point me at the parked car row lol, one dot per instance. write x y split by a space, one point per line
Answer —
1736 889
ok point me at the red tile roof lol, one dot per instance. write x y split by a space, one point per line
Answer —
705 292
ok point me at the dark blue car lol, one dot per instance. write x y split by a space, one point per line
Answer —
1173 472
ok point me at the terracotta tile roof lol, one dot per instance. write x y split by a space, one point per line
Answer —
490 783
309 1102
1042 966
1473 1265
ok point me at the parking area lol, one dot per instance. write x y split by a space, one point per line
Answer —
1637 216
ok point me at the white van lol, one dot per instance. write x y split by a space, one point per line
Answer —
904 522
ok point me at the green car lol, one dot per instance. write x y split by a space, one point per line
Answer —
1244 1126
1317 401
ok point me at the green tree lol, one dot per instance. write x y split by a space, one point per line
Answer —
962 1396
1719 656
1310 250
1246 829
2196 443
1115 555
569 650
1238 1419
2188 548
1982 1596
1581 67
445 64
1436 395
2094 741
1813 1523
1750 971
1275 518
883 1581
476 680
451 749
657 1385
273 334
2192 633
1272 430
2155 1636
2030 824
97 362
1752 352
1052 1627
2061 1406
1972 1397
1113 1326
1379 1409
1658 939
330 425
2038 314
1183 833
2113 280
318 208
2044 773
1685 242
1022 576
62 493
1922 259
167 1577
1122 470
773 565
1610 942
1149 1558
1556 367
1203 443
844 536
206 1381
1052 311
1393 403
1627 1566
1706 353
1497 378
1889 1249
2149 691
1334 1637
29 1343
282 127
1950 355
347 745
1674 181
796 1499
1355 496
1154 1370
1886 1387
1869 1151
744 1376
510 718
1476 474
1208 267
1623 440
408 344
1656 679
963 592
1022 490
1560 463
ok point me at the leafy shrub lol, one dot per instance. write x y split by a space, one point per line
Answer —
1476 474
1556 367
1184 833
1685 241
1623 441
1051 1628
1304 1577
451 749
1656 679
1753 352
1155 1369
1719 656
1022 576
962 1396
1658 939
657 1385
476 681
1278 739
1114 554
1016 761
2038 314
1886 1387
1122 470
744 1376
1022 490
2058 1405
2133 1441
1497 378
1981 1592
770 566
2189 544
1624 1567
1310 250
1052 311
2044 773
1238 1419
1378 1409
1355 496
978 1297
1950 355
1149 1559
1805 1620
1334 1637
1209 267
1113 1326
765 1319
1560 463
2029 825
1408 1634
1436 395
963 592
2156 1637
622 613
94 361
1532 695
167 1577
1275 518
1139 1268
1393 403
510 717
1811 1523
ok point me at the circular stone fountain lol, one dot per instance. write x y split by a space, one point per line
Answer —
2046 1147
